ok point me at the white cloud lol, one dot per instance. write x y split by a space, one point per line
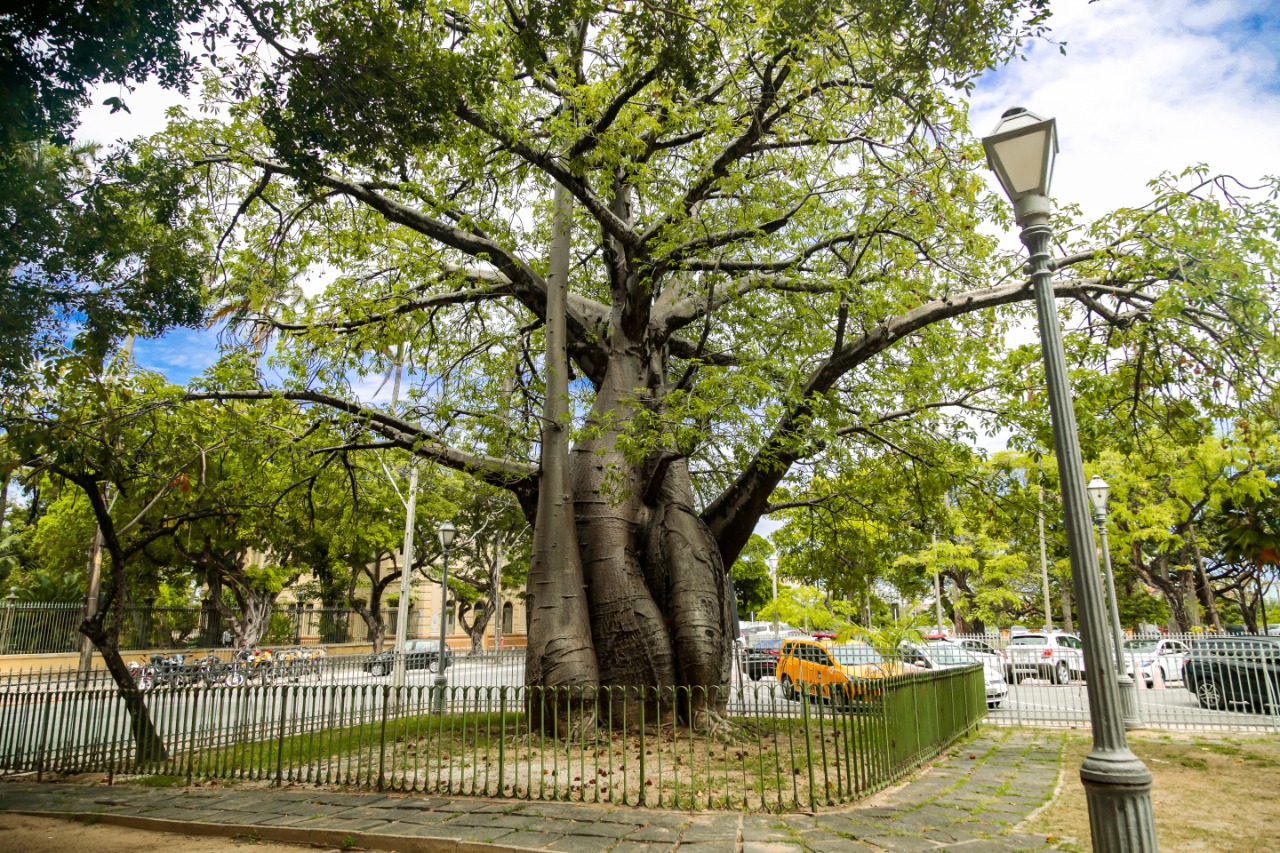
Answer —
1147 86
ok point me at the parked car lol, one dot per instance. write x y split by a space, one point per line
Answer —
985 652
944 654
1226 671
1145 658
836 673
762 659
1054 655
418 654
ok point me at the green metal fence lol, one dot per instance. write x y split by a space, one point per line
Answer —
614 745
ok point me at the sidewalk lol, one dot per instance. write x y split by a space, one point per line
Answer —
971 800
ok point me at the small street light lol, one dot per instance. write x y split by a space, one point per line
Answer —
1098 492
11 602
446 533
1021 151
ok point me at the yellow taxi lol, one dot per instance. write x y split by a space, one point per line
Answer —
834 672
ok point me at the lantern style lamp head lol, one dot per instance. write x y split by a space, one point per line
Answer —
1021 152
447 532
1098 491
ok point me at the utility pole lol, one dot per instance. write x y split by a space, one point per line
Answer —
1044 560
406 563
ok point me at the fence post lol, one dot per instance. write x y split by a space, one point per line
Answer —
44 731
808 744
284 707
382 733
191 732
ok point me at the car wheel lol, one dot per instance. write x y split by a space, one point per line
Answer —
1209 696
1062 673
788 691
754 675
995 704
379 669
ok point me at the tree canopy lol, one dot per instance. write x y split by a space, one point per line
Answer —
774 234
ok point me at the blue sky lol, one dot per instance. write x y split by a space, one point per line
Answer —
1145 86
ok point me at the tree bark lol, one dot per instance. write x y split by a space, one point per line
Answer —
560 651
104 633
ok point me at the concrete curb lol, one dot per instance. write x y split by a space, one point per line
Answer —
341 839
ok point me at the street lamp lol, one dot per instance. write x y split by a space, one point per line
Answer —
446 532
1098 491
1117 784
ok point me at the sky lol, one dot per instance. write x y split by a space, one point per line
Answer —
1144 86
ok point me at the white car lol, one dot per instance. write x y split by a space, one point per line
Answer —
984 652
1146 656
945 654
1054 655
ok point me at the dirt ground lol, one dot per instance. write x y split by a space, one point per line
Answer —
1212 794
22 834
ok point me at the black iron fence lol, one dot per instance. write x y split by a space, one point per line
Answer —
620 745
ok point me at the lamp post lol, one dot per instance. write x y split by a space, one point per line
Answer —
1117 784
1098 492
446 532
11 603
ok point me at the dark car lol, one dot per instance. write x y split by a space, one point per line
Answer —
1226 671
762 658
418 654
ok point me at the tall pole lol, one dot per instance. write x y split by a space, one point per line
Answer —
937 586
442 680
406 562
1128 689
937 570
406 575
1117 784
1044 560
775 596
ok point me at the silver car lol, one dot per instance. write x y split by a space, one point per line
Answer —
944 654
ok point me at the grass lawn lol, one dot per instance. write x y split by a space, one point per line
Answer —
1211 793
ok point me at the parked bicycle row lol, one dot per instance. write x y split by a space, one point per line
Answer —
265 666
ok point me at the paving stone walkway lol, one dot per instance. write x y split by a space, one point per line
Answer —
971 800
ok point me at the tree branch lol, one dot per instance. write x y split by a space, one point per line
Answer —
503 473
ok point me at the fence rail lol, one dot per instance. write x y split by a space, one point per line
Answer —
618 745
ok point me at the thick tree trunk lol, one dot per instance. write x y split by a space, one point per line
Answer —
560 651
657 608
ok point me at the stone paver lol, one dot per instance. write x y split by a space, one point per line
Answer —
971 800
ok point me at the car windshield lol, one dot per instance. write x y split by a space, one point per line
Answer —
945 653
856 655
1141 645
1027 641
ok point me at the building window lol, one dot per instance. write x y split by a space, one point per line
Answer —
508 617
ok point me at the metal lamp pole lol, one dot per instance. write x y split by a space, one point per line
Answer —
1098 492
1117 784
447 532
